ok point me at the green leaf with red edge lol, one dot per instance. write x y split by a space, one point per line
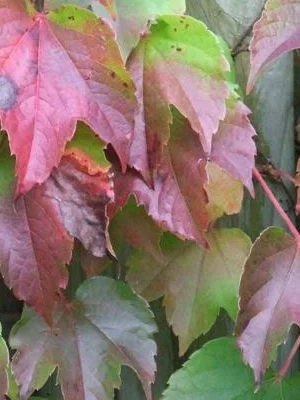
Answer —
180 63
276 33
4 365
129 18
107 325
269 298
57 69
34 246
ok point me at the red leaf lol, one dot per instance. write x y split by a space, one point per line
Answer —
177 201
55 70
276 33
269 298
34 246
82 191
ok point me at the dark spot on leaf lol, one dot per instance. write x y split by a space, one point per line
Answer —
71 17
178 49
113 74
175 29
8 93
172 47
186 26
125 84
181 21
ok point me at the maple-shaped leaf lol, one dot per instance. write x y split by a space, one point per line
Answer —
56 69
169 67
194 281
217 371
34 246
4 366
269 298
177 201
106 326
276 33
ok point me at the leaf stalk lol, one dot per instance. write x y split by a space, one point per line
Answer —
277 206
285 367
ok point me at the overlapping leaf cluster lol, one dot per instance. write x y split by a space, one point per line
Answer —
98 106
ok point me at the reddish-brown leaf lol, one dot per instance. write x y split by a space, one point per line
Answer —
81 190
276 33
34 246
269 298
177 201
56 69
34 243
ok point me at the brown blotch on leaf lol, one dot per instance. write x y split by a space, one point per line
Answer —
125 84
113 74
71 18
178 49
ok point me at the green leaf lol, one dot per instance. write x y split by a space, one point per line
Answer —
131 18
218 372
87 142
4 365
107 325
194 281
